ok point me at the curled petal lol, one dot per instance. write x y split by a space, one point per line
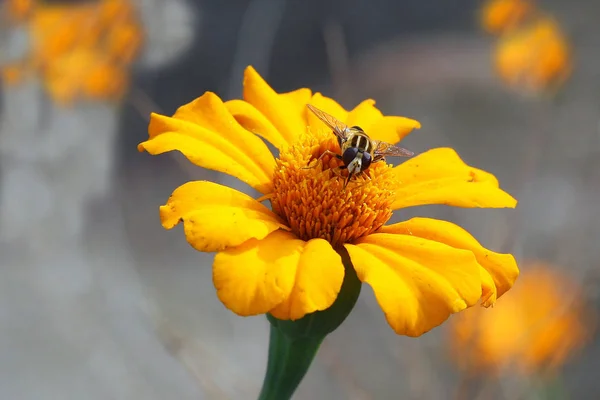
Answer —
364 115
254 121
319 277
439 176
417 282
287 111
389 129
216 217
208 135
392 129
489 293
501 270
258 275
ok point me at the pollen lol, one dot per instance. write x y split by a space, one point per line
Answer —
309 194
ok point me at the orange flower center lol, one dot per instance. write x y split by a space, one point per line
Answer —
311 197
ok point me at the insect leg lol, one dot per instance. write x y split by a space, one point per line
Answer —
331 153
323 155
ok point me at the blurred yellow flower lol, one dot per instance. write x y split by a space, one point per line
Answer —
497 16
534 57
83 50
534 328
285 260
59 29
123 42
110 10
84 73
12 74
18 10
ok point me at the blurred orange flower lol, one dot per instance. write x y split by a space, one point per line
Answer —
534 57
110 10
497 16
535 327
123 42
84 72
59 29
18 10
12 74
83 50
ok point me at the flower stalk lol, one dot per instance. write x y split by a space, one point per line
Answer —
288 362
294 344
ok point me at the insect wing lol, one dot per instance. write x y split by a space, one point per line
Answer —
383 149
339 128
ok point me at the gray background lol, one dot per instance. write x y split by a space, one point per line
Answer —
130 312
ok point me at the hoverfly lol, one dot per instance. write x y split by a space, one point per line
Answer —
358 150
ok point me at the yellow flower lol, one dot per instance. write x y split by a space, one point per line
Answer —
124 38
57 29
82 50
83 73
534 57
18 10
497 16
12 74
536 327
286 260
123 43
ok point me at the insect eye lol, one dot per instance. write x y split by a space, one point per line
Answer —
349 155
366 161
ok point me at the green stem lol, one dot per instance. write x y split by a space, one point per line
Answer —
293 344
289 359
549 387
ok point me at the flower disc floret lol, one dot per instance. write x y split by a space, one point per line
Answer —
309 193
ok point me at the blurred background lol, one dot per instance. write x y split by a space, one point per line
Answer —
98 301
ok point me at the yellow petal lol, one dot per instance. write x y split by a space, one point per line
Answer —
319 277
258 275
254 121
417 282
208 135
287 111
502 268
489 293
364 115
392 129
439 176
328 105
216 217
